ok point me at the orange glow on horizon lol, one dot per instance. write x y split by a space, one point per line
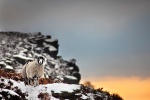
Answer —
129 88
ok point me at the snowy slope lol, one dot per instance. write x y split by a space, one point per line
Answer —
17 90
12 87
33 92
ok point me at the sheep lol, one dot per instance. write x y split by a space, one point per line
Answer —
33 70
23 71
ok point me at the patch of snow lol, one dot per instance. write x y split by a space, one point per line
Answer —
61 87
57 65
38 48
53 62
60 77
53 98
8 61
50 40
56 87
23 57
71 77
2 63
3 42
8 54
71 68
91 96
29 55
51 48
84 97
32 92
10 91
24 50
48 88
36 54
8 67
5 82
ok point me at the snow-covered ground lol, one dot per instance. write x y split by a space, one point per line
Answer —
33 92
51 91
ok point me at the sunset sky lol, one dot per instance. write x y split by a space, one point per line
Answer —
109 39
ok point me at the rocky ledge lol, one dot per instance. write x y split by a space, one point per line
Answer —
16 48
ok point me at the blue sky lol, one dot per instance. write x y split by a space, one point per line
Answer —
108 38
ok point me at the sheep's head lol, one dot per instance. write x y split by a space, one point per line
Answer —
40 60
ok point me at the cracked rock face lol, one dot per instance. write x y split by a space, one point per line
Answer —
16 48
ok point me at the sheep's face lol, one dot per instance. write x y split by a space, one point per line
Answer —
40 60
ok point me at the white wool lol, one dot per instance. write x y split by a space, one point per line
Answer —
33 68
23 71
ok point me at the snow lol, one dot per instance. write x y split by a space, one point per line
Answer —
23 57
21 85
61 87
7 66
71 68
24 50
84 97
60 77
50 40
10 91
91 96
71 77
2 63
38 48
57 65
8 61
52 98
48 88
33 92
55 87
8 54
51 48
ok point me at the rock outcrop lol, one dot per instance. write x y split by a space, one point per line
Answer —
61 81
16 48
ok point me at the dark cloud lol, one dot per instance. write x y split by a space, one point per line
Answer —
18 14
